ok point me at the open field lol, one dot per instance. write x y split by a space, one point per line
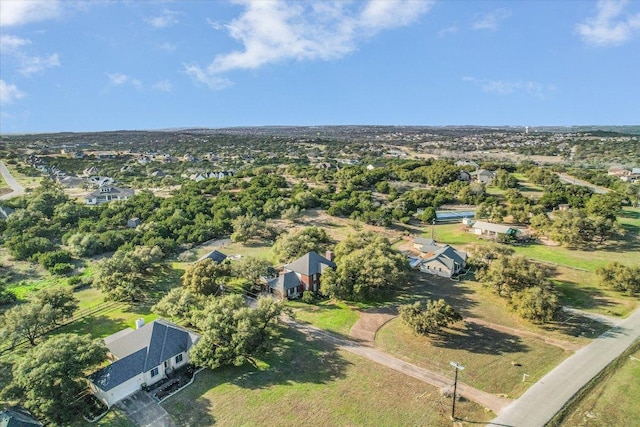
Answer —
26 181
612 402
494 361
331 315
307 382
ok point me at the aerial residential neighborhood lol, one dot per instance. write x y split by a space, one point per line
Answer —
285 213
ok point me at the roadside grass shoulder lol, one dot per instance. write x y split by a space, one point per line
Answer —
494 361
308 382
612 402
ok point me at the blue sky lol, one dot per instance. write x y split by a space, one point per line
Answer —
107 65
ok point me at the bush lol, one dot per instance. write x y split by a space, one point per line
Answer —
308 297
61 269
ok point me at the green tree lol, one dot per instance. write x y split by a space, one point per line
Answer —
251 268
50 377
620 277
204 277
537 303
509 274
430 317
27 322
249 227
368 269
61 301
232 333
293 245
179 303
504 180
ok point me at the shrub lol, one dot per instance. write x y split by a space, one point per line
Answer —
308 297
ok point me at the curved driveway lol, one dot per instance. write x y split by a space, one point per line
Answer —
18 189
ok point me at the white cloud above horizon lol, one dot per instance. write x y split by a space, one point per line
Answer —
274 31
165 19
26 63
610 26
9 93
163 86
14 13
490 21
120 79
507 87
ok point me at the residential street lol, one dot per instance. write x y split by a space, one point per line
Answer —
546 397
11 182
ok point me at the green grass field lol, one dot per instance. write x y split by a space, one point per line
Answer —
490 357
330 315
613 402
307 382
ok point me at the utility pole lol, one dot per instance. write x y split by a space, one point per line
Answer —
455 386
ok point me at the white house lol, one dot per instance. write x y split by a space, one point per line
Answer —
107 194
141 357
482 228
439 260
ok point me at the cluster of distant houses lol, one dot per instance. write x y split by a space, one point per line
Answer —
626 175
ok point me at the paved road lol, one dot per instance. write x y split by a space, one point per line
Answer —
488 400
575 181
549 395
11 182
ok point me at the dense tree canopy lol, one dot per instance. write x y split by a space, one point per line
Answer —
509 274
204 277
620 277
538 304
50 377
232 333
292 245
368 269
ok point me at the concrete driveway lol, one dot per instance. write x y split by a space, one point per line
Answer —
144 411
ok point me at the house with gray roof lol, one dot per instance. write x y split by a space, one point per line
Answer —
301 275
141 357
18 417
437 259
108 194
488 229
214 255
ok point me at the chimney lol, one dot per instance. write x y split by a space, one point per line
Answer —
329 255
139 323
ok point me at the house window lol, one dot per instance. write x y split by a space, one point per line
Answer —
179 358
154 372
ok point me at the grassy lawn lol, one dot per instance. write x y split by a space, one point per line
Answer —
494 361
613 402
308 382
24 180
330 315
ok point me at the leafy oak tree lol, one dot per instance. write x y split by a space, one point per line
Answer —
430 317
538 304
204 277
232 333
620 277
51 376
510 274
297 243
368 269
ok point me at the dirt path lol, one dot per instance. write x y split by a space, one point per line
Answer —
488 400
365 329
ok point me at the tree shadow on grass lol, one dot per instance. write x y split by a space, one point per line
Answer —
192 413
424 285
98 326
577 326
581 297
480 339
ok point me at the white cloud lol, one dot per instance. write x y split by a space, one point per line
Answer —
506 87
119 79
10 44
166 19
19 12
489 21
169 47
35 64
9 93
273 31
26 64
446 31
609 27
163 86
